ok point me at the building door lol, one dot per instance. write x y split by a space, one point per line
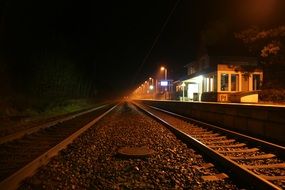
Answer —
245 83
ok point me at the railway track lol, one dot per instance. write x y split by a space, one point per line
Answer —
29 130
258 163
22 153
95 161
173 165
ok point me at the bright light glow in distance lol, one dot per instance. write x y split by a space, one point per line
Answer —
151 87
163 83
162 68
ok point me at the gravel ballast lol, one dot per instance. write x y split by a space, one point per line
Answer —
93 162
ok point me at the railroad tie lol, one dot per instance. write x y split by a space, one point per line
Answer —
211 138
204 166
228 146
273 178
280 165
220 142
258 157
202 135
216 177
239 151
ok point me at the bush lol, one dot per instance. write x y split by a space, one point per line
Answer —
209 96
272 95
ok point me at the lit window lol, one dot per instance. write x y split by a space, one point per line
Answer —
234 82
204 84
256 82
211 84
215 83
208 84
224 82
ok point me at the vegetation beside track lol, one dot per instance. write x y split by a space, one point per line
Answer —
16 115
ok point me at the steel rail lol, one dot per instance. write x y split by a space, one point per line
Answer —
12 182
237 171
24 132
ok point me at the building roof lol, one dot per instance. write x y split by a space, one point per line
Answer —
235 60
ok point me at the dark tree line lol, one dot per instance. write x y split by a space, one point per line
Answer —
41 53
51 76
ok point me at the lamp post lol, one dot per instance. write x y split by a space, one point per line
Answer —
165 78
151 80
151 86
165 72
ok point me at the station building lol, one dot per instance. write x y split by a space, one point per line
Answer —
222 79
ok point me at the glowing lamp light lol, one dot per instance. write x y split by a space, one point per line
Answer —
151 87
164 83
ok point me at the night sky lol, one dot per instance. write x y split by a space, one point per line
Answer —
110 41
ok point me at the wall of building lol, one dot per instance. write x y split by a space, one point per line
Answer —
231 70
261 121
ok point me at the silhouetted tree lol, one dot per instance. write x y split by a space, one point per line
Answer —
268 46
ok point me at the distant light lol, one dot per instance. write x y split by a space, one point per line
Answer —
163 83
151 87
162 68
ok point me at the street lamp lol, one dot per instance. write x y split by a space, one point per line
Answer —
151 87
151 80
165 72
165 78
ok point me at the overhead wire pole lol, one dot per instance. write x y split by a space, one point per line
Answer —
156 38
